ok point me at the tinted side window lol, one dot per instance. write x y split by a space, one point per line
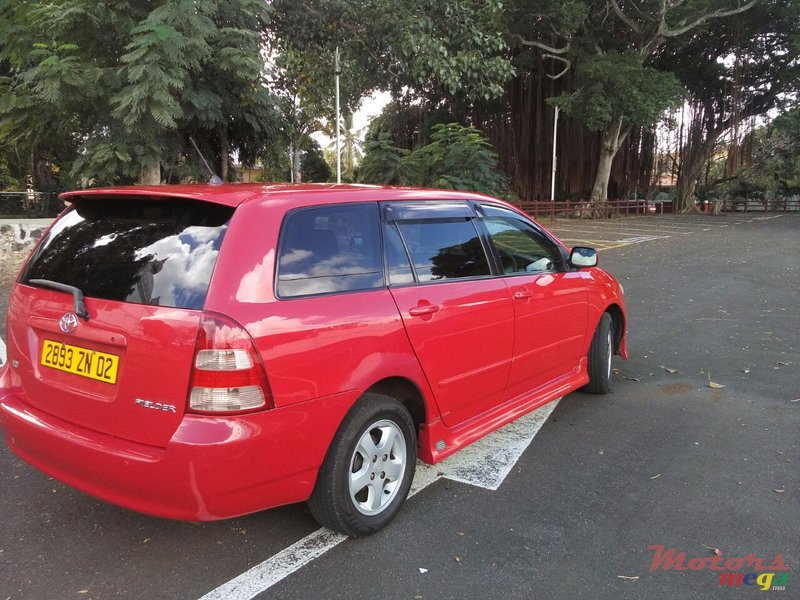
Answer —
522 249
160 252
444 249
330 249
396 258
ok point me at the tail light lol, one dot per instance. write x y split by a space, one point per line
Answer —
227 375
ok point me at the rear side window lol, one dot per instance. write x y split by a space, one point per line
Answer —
159 252
444 249
330 249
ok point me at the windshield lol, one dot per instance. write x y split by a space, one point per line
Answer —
158 251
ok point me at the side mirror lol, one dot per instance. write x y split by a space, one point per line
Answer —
582 256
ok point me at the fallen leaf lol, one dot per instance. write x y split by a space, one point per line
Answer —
145 540
628 577
461 533
669 370
746 371
779 491
656 476
713 385
83 591
717 551
458 558
632 378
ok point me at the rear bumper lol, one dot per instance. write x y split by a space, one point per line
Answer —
213 468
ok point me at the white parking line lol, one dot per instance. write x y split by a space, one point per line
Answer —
486 463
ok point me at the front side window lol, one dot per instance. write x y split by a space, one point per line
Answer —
330 249
160 252
522 249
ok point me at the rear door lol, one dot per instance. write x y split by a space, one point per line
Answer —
458 316
144 266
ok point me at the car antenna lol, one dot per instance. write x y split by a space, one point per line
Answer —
213 179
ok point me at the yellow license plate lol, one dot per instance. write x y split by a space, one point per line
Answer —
80 361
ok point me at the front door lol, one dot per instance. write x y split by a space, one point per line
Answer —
550 302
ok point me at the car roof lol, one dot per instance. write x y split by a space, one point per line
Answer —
234 194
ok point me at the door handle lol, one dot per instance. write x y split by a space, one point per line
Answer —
423 309
522 294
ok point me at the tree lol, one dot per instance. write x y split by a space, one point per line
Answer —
616 41
614 93
130 82
746 67
774 171
350 147
432 48
314 167
458 157
383 162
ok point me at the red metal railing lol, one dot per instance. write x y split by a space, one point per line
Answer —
583 209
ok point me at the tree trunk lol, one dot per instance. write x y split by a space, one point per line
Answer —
225 151
691 168
613 136
297 175
150 174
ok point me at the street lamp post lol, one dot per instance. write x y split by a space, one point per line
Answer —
555 138
337 71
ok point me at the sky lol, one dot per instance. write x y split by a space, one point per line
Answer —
371 107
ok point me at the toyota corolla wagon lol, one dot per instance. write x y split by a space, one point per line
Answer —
203 352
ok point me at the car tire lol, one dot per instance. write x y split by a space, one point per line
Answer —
599 360
368 469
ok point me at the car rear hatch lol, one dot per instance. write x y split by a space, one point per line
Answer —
143 265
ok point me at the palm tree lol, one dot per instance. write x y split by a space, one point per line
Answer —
351 146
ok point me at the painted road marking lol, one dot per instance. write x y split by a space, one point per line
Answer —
636 230
486 463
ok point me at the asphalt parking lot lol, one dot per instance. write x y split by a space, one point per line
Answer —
697 449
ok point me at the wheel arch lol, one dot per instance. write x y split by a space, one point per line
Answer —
618 321
407 393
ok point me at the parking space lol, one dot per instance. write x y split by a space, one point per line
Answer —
615 233
667 460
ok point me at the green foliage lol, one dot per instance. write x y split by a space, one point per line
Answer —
610 87
382 162
314 166
454 48
458 157
116 86
776 161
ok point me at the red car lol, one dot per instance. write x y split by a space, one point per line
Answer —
202 352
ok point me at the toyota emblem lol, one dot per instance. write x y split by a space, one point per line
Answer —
68 323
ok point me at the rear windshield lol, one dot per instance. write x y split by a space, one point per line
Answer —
159 251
